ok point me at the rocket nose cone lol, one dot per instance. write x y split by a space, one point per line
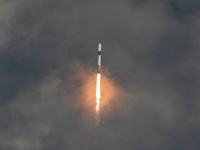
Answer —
99 48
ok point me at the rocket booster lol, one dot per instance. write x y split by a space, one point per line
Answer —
99 59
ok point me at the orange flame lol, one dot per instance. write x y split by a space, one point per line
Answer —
98 96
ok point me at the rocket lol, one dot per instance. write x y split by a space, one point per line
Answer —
99 59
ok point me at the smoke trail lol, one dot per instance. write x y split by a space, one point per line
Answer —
98 96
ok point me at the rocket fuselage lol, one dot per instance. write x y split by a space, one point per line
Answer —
99 59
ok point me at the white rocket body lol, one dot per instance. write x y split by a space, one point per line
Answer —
99 59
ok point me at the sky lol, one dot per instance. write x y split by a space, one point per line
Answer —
150 77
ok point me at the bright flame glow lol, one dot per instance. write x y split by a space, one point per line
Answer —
98 96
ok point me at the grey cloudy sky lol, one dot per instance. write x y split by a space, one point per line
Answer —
150 74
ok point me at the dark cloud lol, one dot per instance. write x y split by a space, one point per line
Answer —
150 75
180 9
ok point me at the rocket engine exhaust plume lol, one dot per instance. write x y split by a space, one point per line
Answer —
98 96
98 91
